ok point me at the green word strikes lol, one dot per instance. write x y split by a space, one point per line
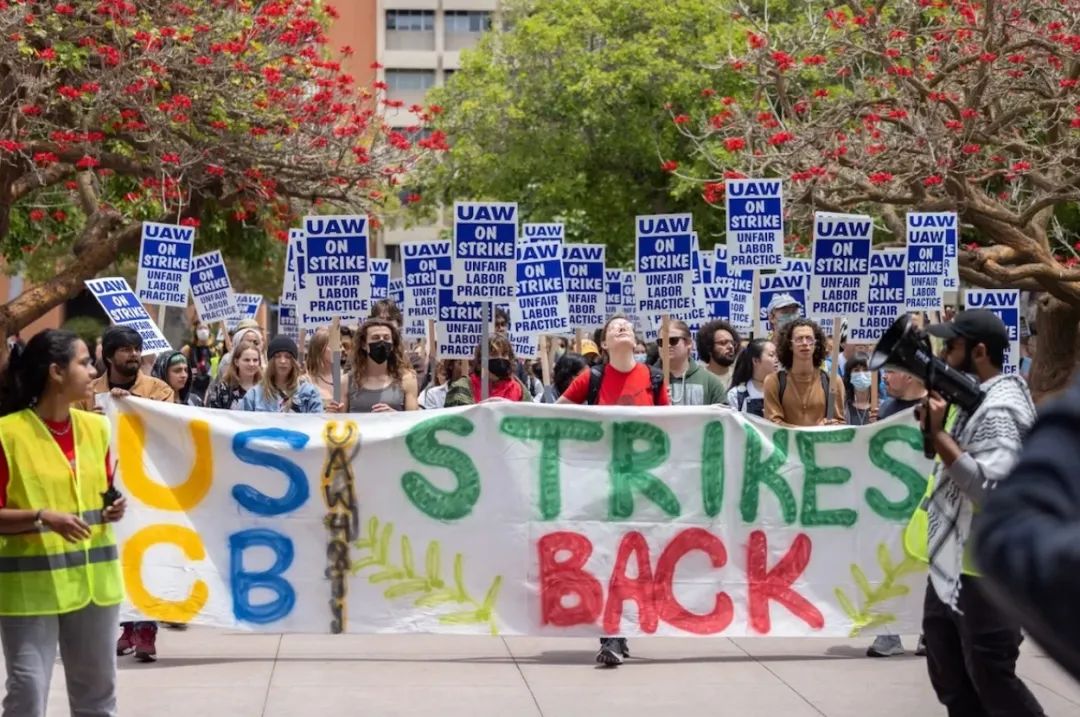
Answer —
638 449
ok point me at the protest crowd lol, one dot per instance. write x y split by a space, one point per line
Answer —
788 370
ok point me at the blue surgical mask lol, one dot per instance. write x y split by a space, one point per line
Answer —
860 381
641 358
1025 365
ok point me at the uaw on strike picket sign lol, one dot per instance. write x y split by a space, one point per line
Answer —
664 281
931 259
840 278
211 288
549 231
123 307
422 264
755 223
165 264
517 518
583 275
886 299
540 304
461 323
333 273
485 236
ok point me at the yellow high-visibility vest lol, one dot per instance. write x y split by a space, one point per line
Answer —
916 534
40 572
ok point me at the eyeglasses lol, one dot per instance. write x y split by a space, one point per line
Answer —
804 341
723 342
674 341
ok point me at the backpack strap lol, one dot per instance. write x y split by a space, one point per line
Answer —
781 377
656 376
741 394
596 375
828 398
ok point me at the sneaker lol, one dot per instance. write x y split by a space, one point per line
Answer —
145 643
624 647
885 646
125 645
610 654
178 626
920 649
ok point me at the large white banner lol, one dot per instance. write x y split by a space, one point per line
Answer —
518 519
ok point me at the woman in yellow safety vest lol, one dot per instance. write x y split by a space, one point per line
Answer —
60 578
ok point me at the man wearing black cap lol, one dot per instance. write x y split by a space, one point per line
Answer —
971 645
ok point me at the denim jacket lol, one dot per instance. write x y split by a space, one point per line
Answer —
306 400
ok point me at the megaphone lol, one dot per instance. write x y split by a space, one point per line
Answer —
906 349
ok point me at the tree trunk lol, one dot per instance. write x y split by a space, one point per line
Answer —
1056 348
102 240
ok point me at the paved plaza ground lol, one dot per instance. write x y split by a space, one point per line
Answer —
210 673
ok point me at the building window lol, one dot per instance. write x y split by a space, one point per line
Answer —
463 28
410 30
409 86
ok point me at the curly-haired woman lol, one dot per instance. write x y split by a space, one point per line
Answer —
796 395
381 378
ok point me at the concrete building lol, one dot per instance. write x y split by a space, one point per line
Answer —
418 44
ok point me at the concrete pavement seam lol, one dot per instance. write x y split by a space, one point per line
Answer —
513 657
1048 688
270 682
784 682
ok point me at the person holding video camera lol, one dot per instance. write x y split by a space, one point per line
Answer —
972 646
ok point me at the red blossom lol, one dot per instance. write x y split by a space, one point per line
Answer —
10 145
48 54
932 181
59 215
669 166
734 144
64 9
880 178
1020 166
781 138
969 113
987 57
36 215
681 119
170 158
45 158
713 192
814 60
755 41
215 171
708 92
87 162
821 92
971 148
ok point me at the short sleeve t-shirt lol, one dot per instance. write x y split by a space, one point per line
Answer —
632 388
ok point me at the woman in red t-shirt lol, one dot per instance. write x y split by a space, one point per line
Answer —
624 382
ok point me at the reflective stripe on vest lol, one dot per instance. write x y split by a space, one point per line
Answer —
917 532
40 572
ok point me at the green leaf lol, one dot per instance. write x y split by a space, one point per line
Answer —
893 591
405 587
434 567
407 557
845 604
861 581
462 618
385 575
359 565
383 551
439 598
877 620
884 559
459 578
492 595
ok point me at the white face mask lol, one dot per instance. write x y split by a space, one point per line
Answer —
860 381
202 334
641 358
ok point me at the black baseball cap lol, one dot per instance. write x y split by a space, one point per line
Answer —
977 325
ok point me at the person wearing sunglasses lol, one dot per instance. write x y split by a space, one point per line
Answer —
691 384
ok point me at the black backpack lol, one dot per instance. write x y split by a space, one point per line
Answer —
596 375
829 408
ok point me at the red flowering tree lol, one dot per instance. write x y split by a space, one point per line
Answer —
933 105
116 111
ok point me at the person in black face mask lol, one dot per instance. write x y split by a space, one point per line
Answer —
381 379
502 382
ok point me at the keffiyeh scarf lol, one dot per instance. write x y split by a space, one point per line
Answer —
992 436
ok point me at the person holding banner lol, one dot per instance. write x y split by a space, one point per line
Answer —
242 374
857 381
381 380
755 363
801 393
121 349
718 346
60 576
691 384
173 368
281 389
502 384
319 360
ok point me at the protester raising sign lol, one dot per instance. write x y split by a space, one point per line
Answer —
336 282
840 281
516 518
583 274
484 239
730 294
165 264
288 322
755 223
293 252
613 291
1006 304
422 264
665 283
886 300
247 307
211 288
380 278
929 238
123 307
540 305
